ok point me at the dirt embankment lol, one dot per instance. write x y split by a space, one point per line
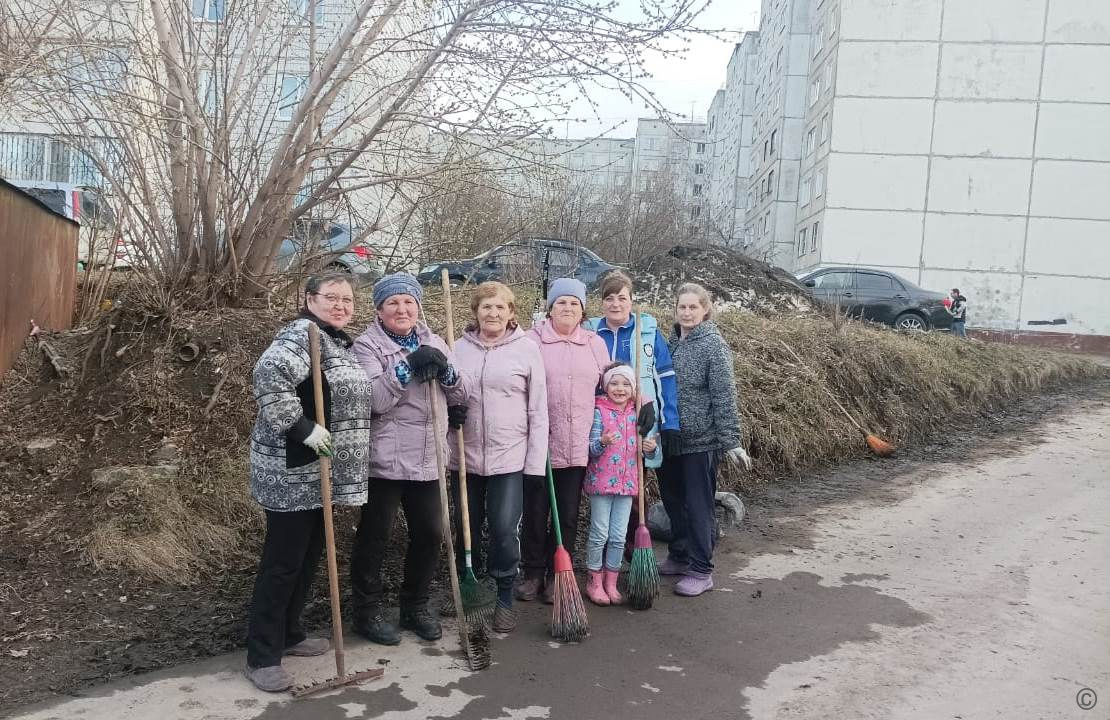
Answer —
110 572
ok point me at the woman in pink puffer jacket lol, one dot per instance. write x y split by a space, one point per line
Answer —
573 359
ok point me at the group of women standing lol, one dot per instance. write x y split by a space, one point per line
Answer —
522 399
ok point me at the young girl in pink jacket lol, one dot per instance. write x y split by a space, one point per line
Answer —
612 480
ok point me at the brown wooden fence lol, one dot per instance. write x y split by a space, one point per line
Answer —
38 270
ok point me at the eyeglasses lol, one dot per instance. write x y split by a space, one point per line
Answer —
337 299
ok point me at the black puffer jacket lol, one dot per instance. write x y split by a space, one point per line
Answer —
708 417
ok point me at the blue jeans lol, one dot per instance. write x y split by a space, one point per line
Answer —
608 522
959 328
498 500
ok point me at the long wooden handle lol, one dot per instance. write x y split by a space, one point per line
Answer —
635 346
464 501
325 500
441 468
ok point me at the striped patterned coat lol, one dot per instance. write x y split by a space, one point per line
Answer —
285 473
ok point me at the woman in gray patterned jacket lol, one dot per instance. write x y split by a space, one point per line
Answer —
709 428
285 471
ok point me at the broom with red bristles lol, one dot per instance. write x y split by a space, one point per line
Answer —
643 576
568 616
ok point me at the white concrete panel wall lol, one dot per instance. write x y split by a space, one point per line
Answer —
1077 73
1079 301
1078 21
876 182
794 93
999 72
973 242
973 185
1069 247
871 238
872 125
1069 131
994 299
905 69
886 20
988 129
1071 189
994 20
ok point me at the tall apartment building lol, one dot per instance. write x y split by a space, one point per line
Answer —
729 129
779 110
964 144
674 155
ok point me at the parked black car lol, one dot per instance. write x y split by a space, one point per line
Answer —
879 296
522 262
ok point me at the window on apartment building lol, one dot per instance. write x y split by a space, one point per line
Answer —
292 88
828 75
811 140
700 147
814 92
695 212
778 61
774 134
697 190
819 183
818 40
699 168
800 245
771 182
299 9
207 90
824 127
22 157
804 191
813 236
208 9
766 222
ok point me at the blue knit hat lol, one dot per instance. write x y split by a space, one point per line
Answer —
397 284
566 286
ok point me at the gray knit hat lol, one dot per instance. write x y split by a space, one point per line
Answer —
566 286
397 284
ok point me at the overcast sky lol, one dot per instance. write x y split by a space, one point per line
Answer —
681 85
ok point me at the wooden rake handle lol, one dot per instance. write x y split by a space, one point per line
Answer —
464 503
325 501
635 346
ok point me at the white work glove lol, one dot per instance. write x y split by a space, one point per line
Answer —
320 441
739 456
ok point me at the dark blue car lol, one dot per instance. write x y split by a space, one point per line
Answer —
522 261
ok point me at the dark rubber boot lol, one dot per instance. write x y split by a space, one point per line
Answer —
422 622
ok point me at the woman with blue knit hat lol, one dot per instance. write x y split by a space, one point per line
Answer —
573 358
399 354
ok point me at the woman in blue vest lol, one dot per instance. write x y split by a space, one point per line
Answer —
657 380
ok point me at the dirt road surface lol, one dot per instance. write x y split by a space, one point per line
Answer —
972 585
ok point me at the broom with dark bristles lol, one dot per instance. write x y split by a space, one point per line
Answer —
477 601
568 617
643 577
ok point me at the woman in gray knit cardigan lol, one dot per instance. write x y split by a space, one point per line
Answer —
709 428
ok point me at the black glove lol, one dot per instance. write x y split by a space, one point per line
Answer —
672 442
646 419
427 363
456 416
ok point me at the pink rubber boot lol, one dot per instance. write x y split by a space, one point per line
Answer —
611 576
594 591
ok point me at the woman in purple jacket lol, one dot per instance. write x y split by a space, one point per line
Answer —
505 430
399 355
573 359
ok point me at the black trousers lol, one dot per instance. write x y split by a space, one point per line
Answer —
420 501
499 500
537 540
688 486
290 555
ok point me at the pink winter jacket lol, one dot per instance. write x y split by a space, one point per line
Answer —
402 443
573 367
506 420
